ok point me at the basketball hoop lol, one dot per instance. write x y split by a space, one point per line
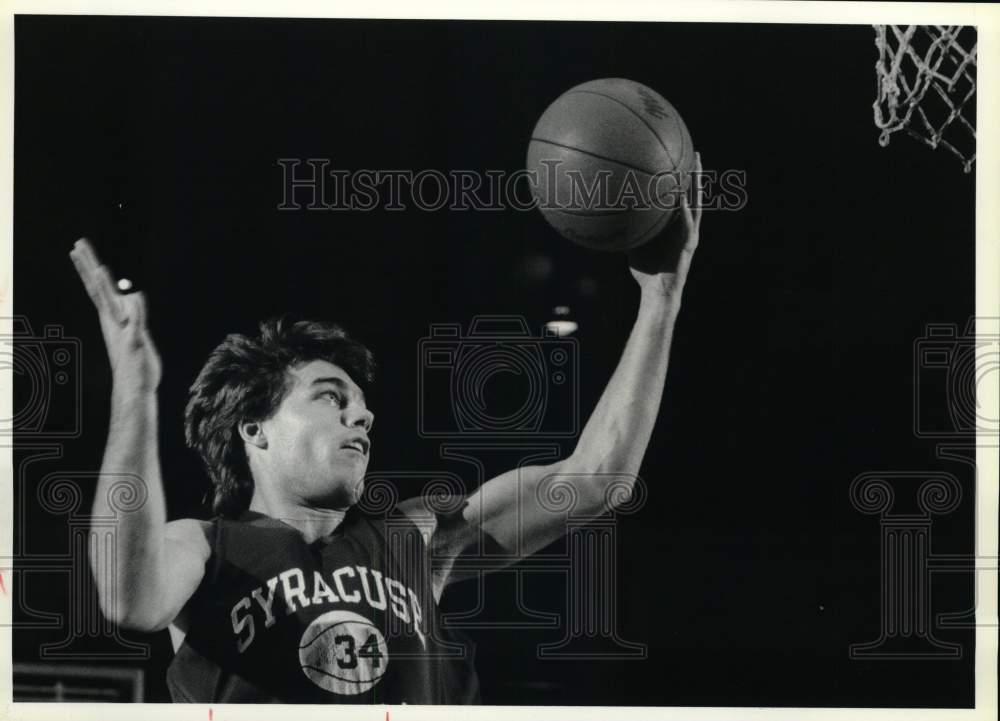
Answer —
926 85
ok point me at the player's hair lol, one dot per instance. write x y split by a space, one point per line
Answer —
245 379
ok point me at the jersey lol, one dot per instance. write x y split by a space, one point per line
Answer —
350 618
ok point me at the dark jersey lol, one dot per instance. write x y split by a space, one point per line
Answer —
349 618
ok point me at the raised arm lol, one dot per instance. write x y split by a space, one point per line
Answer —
511 510
145 579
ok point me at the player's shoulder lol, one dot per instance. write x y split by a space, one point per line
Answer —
433 515
184 527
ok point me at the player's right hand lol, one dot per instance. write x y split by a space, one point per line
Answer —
135 364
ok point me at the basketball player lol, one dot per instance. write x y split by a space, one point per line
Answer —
289 594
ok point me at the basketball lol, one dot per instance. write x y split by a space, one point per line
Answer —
608 163
343 653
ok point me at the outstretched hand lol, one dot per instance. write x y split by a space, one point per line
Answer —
662 264
135 364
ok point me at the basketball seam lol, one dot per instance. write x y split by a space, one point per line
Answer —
642 238
651 230
593 155
644 235
642 119
607 213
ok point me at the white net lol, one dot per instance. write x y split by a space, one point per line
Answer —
927 85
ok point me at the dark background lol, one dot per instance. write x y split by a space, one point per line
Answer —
747 572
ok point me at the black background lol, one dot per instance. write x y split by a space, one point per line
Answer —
747 573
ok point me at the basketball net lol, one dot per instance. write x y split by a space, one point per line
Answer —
926 85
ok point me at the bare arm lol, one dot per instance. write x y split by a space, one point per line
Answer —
152 567
520 510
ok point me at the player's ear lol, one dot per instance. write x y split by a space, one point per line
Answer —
252 432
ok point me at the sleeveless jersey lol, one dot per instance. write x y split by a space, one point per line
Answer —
350 618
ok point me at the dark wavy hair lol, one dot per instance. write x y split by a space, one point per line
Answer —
245 379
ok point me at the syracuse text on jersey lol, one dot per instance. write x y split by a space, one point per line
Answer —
356 585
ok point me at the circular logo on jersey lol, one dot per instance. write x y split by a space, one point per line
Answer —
343 653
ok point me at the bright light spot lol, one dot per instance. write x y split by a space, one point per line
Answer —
561 327
124 284
561 310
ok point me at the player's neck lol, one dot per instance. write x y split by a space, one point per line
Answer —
312 522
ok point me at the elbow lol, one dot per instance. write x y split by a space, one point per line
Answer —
127 600
604 484
132 617
144 624
614 491
122 610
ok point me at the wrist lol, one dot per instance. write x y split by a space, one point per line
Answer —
130 392
655 297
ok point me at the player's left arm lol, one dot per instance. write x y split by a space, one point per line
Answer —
512 511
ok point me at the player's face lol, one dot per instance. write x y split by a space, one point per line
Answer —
317 440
